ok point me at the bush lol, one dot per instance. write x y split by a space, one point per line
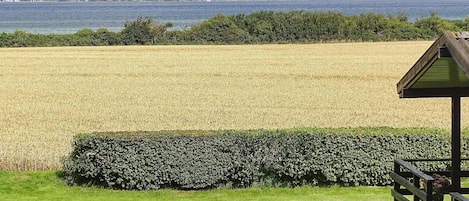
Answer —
208 159
6 40
104 37
143 31
219 29
435 25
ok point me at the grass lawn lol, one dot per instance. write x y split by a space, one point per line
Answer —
45 185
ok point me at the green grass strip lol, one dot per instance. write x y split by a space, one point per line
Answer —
22 186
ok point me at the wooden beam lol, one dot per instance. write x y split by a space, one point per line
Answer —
434 92
412 169
458 197
397 196
464 190
409 186
455 143
458 51
445 173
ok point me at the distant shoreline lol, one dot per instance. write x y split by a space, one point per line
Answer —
68 17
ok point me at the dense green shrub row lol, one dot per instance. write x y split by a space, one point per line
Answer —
259 27
208 159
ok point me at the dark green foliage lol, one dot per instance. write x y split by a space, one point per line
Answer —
22 39
137 32
298 26
103 37
6 40
219 29
256 28
434 25
462 24
143 31
208 159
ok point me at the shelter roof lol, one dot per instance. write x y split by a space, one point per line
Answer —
442 71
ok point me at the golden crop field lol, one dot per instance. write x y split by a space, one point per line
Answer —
47 95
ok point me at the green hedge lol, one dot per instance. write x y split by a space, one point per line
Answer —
209 159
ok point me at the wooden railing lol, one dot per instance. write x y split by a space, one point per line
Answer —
413 188
407 181
458 197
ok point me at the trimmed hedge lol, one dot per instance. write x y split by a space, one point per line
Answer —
209 159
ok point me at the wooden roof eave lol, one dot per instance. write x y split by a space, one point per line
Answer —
458 49
422 65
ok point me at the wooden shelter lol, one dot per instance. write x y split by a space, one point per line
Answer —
442 71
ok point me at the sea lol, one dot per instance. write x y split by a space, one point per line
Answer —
70 17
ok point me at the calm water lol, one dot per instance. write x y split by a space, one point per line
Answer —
69 17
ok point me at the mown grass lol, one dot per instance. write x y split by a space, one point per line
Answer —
48 95
25 186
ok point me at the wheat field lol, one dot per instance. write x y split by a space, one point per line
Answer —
47 95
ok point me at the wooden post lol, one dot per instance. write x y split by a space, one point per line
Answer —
455 143
397 170
416 180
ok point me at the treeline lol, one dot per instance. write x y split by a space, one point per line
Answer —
256 28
